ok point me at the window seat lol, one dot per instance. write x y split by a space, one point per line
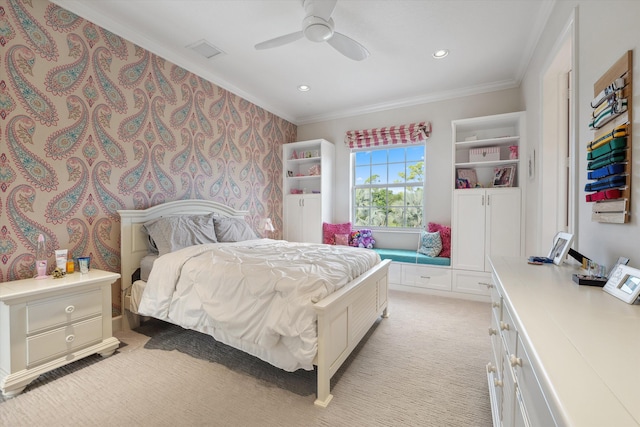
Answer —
409 256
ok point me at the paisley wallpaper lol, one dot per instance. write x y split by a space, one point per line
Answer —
91 123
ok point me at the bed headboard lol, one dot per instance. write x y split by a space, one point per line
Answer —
133 241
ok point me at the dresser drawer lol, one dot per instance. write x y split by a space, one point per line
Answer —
53 312
58 342
426 277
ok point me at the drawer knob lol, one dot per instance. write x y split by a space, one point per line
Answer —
504 326
69 309
488 285
70 338
515 361
492 331
491 368
497 383
496 304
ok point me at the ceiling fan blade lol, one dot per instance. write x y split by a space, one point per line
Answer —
348 47
320 8
279 41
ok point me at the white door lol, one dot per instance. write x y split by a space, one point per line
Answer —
293 218
312 219
502 223
468 229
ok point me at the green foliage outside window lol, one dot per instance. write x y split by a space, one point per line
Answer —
389 187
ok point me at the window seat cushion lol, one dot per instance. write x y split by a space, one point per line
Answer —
409 256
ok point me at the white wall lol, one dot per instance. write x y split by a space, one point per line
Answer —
438 162
596 52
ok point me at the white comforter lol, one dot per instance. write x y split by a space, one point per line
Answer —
256 295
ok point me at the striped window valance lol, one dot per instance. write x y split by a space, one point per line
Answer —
403 134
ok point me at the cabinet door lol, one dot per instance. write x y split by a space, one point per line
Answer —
293 218
468 229
311 219
502 235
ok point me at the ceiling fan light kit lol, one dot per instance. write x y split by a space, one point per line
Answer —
317 26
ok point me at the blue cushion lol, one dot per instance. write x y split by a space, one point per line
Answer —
405 255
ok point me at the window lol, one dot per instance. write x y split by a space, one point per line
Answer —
388 187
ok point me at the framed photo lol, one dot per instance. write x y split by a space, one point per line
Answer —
624 283
503 176
469 175
561 243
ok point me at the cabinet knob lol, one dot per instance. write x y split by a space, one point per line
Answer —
495 304
515 361
491 368
488 285
504 326
69 309
492 331
70 338
497 383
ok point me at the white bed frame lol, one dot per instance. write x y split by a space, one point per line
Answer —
344 317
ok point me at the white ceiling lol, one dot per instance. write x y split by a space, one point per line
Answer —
490 43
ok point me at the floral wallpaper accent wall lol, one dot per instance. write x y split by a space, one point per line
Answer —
91 123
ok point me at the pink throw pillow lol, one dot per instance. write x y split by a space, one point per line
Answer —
342 239
330 230
445 235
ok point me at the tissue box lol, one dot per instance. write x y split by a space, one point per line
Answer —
485 154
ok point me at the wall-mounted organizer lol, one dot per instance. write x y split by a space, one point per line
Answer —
609 153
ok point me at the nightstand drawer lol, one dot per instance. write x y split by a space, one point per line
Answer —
49 313
64 340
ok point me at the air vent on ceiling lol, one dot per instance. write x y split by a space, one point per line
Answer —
205 49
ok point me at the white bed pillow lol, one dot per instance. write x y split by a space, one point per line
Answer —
233 230
176 232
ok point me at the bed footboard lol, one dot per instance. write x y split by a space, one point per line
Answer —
344 318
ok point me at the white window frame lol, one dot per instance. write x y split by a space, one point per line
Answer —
354 186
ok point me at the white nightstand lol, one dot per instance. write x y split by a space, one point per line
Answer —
48 323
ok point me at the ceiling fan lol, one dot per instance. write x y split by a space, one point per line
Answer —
317 26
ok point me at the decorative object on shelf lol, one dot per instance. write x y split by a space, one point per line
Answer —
41 258
513 152
503 176
294 155
314 170
468 175
462 183
57 273
484 154
609 153
624 283
289 174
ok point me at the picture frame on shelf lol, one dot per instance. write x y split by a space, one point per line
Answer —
504 176
469 175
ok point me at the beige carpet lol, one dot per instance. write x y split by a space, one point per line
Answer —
423 366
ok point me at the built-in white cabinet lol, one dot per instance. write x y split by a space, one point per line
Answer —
307 183
485 222
489 183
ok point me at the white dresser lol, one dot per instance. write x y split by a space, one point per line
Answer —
563 354
48 323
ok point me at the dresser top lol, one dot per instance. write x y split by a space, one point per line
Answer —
29 287
584 342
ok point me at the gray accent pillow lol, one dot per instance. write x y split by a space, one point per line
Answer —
233 230
176 232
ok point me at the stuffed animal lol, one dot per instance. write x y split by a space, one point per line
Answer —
362 239
366 239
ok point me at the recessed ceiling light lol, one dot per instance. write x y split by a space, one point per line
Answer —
439 54
304 88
